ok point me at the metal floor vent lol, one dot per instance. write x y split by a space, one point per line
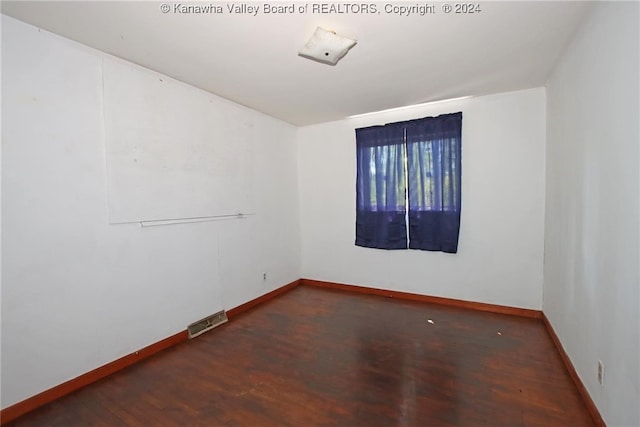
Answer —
206 324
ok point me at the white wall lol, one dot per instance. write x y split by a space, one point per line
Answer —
591 281
77 292
500 251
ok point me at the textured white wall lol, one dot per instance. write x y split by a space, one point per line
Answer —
499 258
77 292
591 281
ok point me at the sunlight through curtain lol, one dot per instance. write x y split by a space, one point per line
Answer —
413 167
434 171
381 184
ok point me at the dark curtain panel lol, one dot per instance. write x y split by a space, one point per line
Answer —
381 187
434 169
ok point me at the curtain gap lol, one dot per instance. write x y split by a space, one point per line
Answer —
406 184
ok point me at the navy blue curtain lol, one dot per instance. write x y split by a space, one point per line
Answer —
434 170
422 157
381 187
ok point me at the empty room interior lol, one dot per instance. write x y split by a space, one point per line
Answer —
305 214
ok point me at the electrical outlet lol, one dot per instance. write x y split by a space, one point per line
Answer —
601 373
264 277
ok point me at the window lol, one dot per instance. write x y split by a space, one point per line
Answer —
408 186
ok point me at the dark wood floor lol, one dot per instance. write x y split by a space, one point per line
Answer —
318 357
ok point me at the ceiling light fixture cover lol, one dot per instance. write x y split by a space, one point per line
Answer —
326 46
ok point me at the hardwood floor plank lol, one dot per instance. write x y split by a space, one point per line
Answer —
321 357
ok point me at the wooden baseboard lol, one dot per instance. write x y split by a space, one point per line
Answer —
14 411
261 299
586 398
522 312
493 308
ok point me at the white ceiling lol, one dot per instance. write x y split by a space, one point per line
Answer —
252 60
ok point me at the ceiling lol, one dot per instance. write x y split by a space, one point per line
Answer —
252 60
